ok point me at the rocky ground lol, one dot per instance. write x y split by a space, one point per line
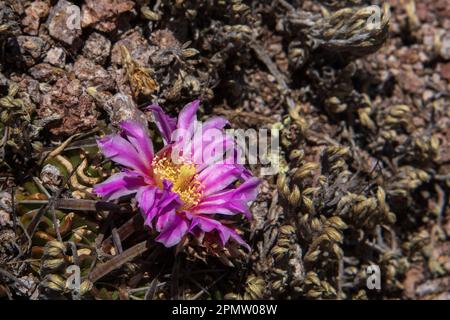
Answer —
360 93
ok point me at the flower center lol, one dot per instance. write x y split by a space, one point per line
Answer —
184 178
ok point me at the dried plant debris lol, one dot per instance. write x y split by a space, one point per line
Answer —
359 91
103 15
69 105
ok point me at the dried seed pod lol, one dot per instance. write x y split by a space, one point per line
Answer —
240 8
329 289
41 235
316 225
53 249
364 117
232 296
312 256
333 234
305 170
52 265
287 230
307 203
358 31
254 288
54 282
85 287
189 53
337 250
279 252
295 197
312 278
313 293
191 14
337 222
149 14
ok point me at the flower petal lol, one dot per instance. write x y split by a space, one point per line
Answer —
119 185
146 198
248 190
214 151
168 200
121 151
228 208
174 231
159 204
238 239
164 220
139 137
214 123
202 133
230 202
166 124
225 233
187 116
219 176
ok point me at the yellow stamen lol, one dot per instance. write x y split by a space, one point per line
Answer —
184 178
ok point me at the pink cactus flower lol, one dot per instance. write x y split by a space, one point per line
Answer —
187 191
